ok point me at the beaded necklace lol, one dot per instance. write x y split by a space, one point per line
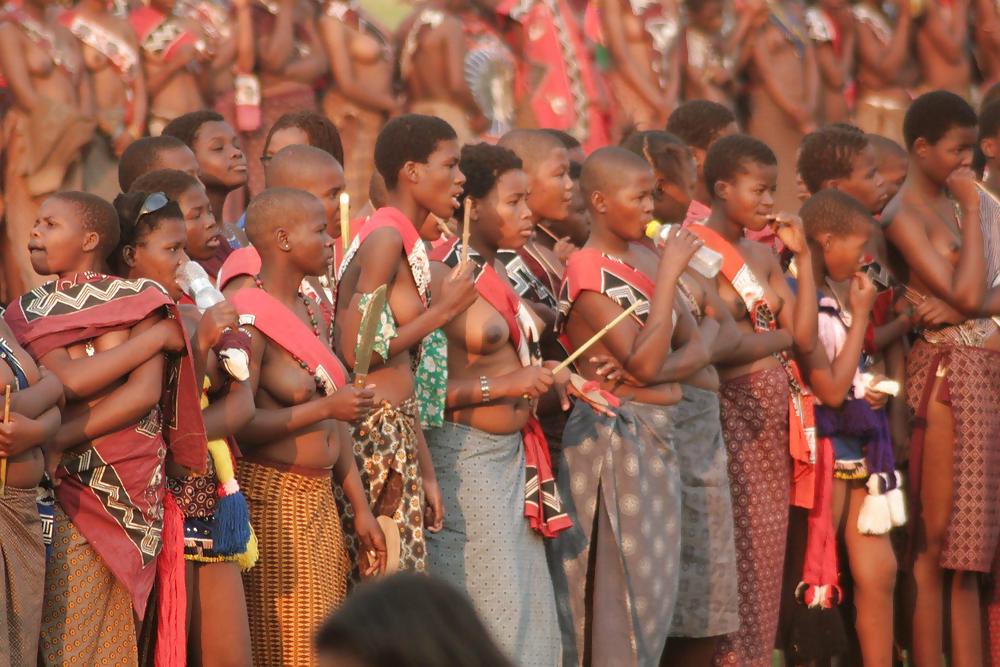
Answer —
314 321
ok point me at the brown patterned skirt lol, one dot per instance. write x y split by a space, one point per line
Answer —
706 600
22 577
385 448
616 570
302 572
88 617
755 428
971 386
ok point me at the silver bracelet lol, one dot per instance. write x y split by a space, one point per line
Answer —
484 389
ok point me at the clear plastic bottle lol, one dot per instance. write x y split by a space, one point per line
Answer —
196 284
705 261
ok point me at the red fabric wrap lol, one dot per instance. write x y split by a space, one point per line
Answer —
146 20
112 488
241 262
281 326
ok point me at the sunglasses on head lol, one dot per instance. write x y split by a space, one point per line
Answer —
153 203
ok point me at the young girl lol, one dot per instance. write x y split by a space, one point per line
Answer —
222 165
851 420
204 235
153 238
766 415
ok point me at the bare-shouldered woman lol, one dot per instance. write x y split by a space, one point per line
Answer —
882 72
362 96
784 82
642 38
289 59
942 36
111 56
171 60
43 66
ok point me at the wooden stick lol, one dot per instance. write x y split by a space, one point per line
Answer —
548 232
465 229
345 221
597 336
3 461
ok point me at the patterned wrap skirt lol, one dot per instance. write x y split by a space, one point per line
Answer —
706 600
87 619
971 385
755 428
486 547
302 572
385 448
22 577
616 570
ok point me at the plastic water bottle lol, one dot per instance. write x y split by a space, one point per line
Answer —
197 285
705 261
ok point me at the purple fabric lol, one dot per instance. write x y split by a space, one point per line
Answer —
856 419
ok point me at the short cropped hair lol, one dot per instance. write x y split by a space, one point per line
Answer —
665 152
933 114
729 156
829 153
322 133
97 216
170 182
832 211
141 156
568 141
483 165
408 138
186 127
699 122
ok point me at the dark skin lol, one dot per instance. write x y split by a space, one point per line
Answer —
294 422
215 589
421 188
221 162
835 69
947 265
747 202
870 557
619 216
281 65
203 232
111 91
479 342
34 416
122 381
439 63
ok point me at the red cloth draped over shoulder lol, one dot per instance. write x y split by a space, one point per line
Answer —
112 488
542 505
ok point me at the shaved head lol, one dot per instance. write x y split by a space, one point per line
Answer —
294 166
278 207
609 169
532 146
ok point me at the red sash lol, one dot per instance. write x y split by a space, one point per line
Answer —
241 262
542 504
801 422
556 73
272 318
119 52
590 270
159 34
413 248
112 490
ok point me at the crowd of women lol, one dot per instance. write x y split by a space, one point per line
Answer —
507 297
